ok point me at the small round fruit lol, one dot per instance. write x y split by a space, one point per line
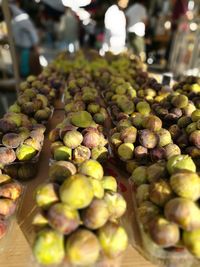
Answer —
148 139
91 168
72 139
160 192
139 175
180 162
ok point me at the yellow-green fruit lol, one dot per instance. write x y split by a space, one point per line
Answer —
99 153
164 137
183 212
191 127
4 178
122 124
142 193
116 204
125 151
96 215
186 184
82 248
81 119
109 183
195 115
91 168
113 239
72 139
192 242
25 152
39 220
93 108
97 186
61 170
180 101
160 192
43 99
115 139
131 165
139 175
156 171
48 247
15 108
172 150
143 108
180 162
62 153
129 135
46 195
77 191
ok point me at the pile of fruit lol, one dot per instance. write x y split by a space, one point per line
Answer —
79 210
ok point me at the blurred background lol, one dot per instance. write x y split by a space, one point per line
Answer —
164 33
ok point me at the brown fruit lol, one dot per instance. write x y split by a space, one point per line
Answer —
160 192
11 190
148 138
7 155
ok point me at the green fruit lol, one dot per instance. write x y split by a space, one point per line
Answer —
25 152
100 153
195 115
61 170
125 151
93 108
143 108
81 119
109 183
113 239
180 162
116 204
115 139
172 150
62 153
77 191
15 108
98 188
142 193
91 168
164 137
191 127
180 101
139 175
192 242
186 184
99 118
46 195
48 247
72 139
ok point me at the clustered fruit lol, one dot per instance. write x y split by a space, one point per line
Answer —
79 210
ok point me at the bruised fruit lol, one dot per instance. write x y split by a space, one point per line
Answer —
180 162
128 135
183 212
80 154
63 218
156 171
7 207
11 190
46 195
152 123
113 239
99 153
147 211
157 154
7 126
77 191
96 215
48 247
81 119
61 170
116 204
72 139
126 151
140 152
11 140
186 184
160 192
97 186
115 139
139 175
82 248
148 139
25 152
109 183
7 155
91 139
164 233
62 153
91 168
142 193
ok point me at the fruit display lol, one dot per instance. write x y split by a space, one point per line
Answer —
78 213
77 139
10 192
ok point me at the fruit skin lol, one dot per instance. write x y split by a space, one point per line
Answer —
61 170
183 212
156 171
46 195
148 139
99 153
164 233
180 101
146 212
180 162
139 175
76 191
160 192
82 248
7 126
157 154
125 151
3 228
80 154
48 247
194 138
7 207
172 150
91 168
192 242
63 219
4 178
186 184
72 139
143 108
27 171
97 187
25 152
7 155
142 193
96 215
54 135
40 220
131 165
109 183
91 139
116 204
11 190
113 239
140 152
128 135
195 115
81 119
152 123
11 140
164 137
62 153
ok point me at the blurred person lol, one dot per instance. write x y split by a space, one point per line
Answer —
68 31
137 17
26 41
115 27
